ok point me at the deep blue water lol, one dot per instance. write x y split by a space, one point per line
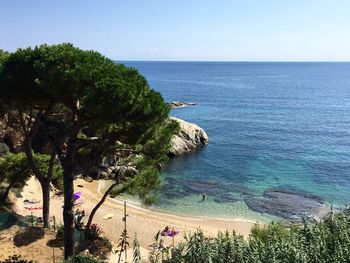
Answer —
269 125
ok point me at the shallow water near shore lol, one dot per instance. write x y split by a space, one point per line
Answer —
193 207
270 125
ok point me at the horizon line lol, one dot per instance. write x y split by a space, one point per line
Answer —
236 61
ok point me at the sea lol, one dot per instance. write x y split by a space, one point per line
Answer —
271 125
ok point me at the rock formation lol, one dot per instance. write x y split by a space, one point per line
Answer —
287 203
180 104
11 132
190 137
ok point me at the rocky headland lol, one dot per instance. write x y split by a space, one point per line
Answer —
94 165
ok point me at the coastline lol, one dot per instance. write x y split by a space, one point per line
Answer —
138 206
143 222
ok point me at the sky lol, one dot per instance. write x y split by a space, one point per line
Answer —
184 30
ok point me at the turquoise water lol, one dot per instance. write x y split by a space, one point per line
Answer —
284 125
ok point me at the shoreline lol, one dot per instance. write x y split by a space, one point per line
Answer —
141 222
185 224
209 225
138 206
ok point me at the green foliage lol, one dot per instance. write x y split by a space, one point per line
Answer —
123 243
157 249
16 259
94 232
327 240
14 172
3 56
14 167
113 98
110 102
136 251
263 233
149 199
3 149
146 181
100 247
60 233
158 147
81 259
43 161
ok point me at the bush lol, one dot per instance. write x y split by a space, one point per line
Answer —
100 247
81 259
327 240
60 233
94 232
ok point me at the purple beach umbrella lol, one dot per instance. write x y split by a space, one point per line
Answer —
76 196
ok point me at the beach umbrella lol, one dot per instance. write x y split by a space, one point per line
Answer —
76 196
170 232
33 208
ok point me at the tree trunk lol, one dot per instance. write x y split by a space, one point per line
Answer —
94 210
7 191
45 186
68 217
68 186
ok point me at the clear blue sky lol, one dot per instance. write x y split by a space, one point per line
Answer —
234 30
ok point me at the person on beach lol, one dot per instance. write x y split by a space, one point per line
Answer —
204 197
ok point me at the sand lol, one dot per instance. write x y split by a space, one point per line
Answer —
140 221
27 243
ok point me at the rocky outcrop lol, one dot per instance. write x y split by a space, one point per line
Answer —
110 172
180 104
11 132
190 137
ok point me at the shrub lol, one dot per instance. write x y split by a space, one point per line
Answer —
136 251
327 240
60 233
94 232
100 247
16 259
81 259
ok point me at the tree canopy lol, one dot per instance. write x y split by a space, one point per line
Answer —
3 56
83 98
112 101
15 170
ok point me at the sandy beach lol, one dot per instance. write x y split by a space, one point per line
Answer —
140 221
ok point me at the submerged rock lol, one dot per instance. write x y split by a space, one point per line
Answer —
226 198
190 137
286 203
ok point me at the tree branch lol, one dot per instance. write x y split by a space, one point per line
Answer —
23 123
28 144
94 210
